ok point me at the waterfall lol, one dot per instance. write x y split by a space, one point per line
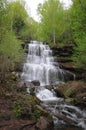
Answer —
40 65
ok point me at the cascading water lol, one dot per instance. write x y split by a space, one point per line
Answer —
40 66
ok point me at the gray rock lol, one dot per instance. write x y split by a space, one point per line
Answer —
35 83
44 124
21 86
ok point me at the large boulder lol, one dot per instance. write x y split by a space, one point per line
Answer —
44 124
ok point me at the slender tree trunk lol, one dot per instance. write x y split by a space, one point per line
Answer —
12 18
11 26
54 37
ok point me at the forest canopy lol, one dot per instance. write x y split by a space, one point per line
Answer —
60 26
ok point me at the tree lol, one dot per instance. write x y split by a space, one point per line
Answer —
3 24
15 26
29 32
10 49
16 18
52 20
78 24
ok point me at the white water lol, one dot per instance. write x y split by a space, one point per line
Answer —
46 95
55 104
39 66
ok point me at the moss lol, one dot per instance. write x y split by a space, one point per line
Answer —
37 113
71 100
70 92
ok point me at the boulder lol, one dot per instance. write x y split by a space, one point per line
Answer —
50 87
35 83
44 123
59 93
31 88
21 86
32 83
29 84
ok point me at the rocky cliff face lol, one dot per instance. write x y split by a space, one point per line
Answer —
63 56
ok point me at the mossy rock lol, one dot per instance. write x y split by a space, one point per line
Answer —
72 89
70 92
71 100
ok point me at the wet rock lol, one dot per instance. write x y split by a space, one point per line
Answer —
80 73
68 76
32 91
59 93
35 83
44 123
50 87
63 60
32 83
31 88
64 118
29 84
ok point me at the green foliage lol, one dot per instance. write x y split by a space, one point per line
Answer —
37 113
17 15
52 20
17 112
29 32
10 53
15 26
78 25
10 46
21 108
79 57
66 26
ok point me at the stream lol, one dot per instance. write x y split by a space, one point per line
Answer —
40 66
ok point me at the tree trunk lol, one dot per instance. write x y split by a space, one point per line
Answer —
54 38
